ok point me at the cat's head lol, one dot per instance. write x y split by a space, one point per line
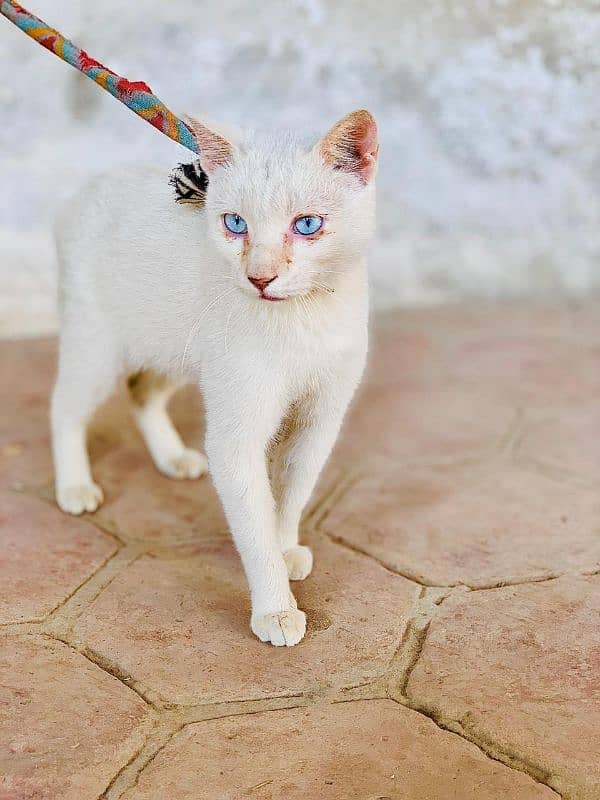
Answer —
289 218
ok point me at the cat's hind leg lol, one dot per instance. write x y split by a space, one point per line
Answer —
86 375
150 393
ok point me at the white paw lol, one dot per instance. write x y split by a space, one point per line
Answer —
77 499
299 562
285 628
189 464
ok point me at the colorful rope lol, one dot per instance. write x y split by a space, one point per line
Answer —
136 95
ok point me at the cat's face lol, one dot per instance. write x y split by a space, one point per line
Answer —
289 218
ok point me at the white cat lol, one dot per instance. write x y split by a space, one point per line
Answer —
185 293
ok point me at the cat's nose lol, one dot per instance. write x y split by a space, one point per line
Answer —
261 283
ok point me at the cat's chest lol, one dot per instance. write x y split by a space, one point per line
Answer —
288 356
284 352
298 355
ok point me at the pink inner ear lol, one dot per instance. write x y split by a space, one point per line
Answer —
367 148
214 149
351 145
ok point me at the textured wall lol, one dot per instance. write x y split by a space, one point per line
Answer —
489 114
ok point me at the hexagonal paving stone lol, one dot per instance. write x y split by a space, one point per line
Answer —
527 367
368 749
66 726
567 441
479 527
143 505
27 371
401 354
186 632
44 556
25 457
416 346
519 667
26 374
426 425
540 354
468 321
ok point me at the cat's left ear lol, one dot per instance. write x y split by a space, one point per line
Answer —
217 143
352 145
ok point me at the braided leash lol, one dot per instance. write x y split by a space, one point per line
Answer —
136 95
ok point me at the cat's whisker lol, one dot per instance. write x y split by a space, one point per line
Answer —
308 303
227 278
336 296
300 304
226 335
324 286
196 326
319 286
309 313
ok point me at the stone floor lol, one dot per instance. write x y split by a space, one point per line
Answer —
453 649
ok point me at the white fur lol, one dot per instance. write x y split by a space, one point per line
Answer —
147 283
168 452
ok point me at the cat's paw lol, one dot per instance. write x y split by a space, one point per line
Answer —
77 499
299 562
285 628
187 465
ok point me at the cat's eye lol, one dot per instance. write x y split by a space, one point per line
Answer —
235 224
308 224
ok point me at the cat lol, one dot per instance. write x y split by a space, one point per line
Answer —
259 296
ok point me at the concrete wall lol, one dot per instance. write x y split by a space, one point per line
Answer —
489 113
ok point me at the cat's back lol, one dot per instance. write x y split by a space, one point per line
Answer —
127 214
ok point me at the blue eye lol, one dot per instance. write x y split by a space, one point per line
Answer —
235 224
308 225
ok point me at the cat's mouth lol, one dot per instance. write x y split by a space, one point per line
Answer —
263 296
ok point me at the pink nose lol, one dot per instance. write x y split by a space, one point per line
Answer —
261 283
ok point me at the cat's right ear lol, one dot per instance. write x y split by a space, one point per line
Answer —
352 145
216 147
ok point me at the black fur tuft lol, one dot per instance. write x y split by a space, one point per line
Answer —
190 183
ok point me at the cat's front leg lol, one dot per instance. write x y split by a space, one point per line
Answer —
238 428
314 429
